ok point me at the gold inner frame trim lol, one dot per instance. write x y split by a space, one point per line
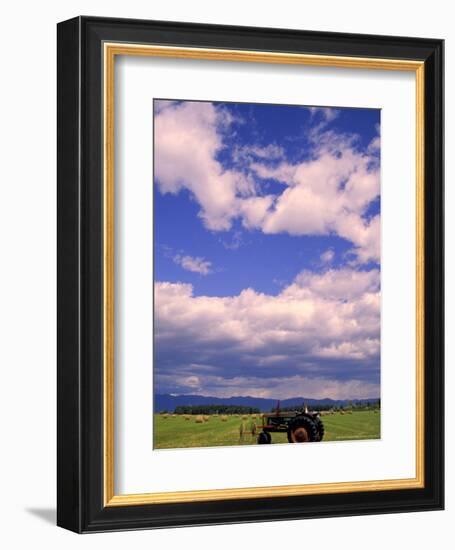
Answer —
110 50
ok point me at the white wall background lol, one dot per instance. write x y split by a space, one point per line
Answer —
28 263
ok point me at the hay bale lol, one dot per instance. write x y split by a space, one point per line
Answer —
245 417
186 416
206 418
199 419
224 418
341 412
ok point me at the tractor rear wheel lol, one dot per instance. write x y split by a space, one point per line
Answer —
302 430
264 438
320 428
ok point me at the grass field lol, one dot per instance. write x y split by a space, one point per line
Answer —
173 432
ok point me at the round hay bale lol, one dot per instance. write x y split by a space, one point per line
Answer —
224 418
199 419
206 418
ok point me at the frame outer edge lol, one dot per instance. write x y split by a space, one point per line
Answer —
440 116
435 290
69 501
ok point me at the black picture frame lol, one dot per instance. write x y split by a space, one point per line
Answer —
80 473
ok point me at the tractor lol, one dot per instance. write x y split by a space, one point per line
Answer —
302 426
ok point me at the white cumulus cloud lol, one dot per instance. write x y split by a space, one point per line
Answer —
322 325
187 141
328 194
196 265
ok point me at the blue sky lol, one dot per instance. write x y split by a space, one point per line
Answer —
266 249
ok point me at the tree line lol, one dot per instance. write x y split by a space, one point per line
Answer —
215 409
369 405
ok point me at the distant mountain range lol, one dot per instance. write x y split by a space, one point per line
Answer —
168 402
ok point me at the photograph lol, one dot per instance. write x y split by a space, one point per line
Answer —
267 273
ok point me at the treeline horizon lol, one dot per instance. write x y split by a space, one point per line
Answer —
215 409
371 404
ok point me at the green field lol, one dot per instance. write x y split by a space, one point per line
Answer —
177 432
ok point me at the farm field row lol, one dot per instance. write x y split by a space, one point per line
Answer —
176 431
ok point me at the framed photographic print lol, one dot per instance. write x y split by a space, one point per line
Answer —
250 274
